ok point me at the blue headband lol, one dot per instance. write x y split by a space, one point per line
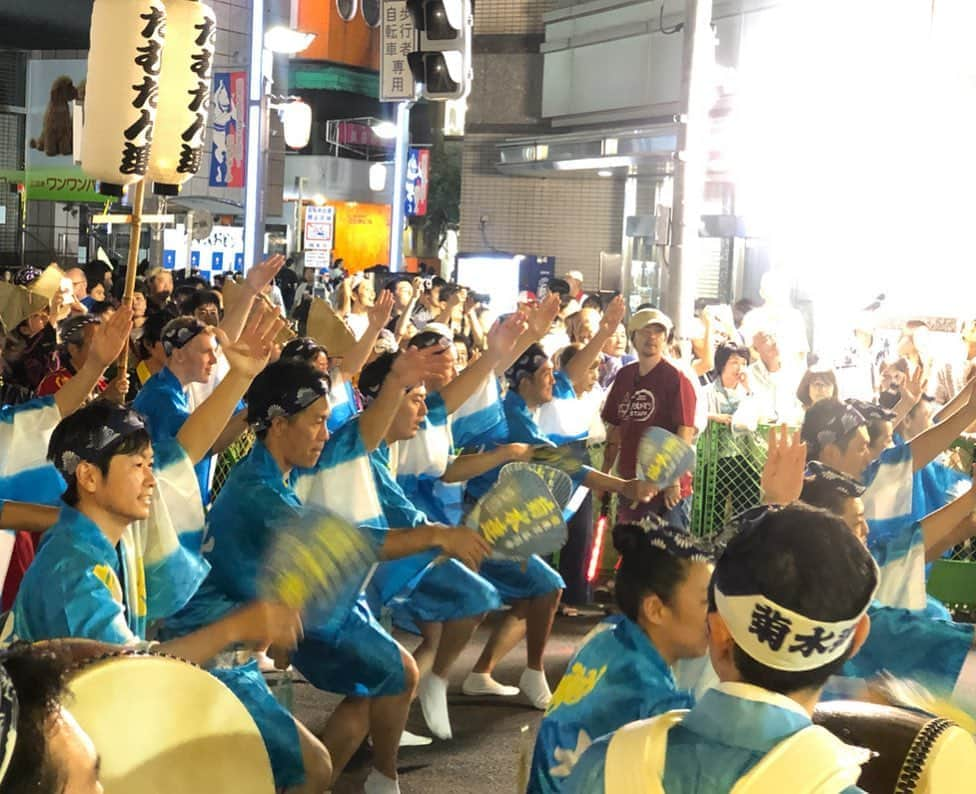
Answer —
179 333
872 412
526 365
291 404
818 472
120 424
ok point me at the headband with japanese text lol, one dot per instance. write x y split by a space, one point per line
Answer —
782 639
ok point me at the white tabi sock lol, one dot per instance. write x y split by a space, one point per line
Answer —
483 684
432 694
535 687
378 783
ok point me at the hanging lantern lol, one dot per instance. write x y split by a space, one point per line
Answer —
184 95
296 118
121 91
377 177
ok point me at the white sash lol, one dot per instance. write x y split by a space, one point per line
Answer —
811 761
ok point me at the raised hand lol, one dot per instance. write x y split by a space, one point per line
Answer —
263 273
379 312
504 336
251 352
782 476
911 388
111 338
412 367
540 319
464 544
613 315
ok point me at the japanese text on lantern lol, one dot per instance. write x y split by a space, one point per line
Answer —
191 148
138 135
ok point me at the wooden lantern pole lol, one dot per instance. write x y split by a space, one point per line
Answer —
130 274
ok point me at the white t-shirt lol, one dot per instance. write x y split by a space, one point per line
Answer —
358 323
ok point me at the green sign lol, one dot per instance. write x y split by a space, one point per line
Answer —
61 184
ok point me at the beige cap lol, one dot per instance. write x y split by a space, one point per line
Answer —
649 317
576 274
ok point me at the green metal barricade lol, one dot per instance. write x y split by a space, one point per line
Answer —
226 460
728 471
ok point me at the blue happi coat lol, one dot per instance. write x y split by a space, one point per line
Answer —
165 404
344 651
616 677
79 585
342 401
720 740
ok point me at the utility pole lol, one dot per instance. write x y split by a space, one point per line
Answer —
689 177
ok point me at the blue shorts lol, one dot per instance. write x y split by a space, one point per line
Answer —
447 591
276 725
355 657
515 580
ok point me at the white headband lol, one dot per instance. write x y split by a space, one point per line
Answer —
782 639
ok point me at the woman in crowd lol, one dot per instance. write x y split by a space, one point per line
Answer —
356 299
725 395
816 384
622 672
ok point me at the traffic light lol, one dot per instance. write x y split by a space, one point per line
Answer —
443 61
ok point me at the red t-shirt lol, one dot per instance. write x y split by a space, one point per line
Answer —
661 398
52 383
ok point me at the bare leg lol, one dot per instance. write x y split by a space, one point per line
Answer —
539 614
455 635
317 763
424 653
345 732
387 718
507 634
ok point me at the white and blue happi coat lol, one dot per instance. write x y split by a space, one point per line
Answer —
616 677
423 587
25 432
346 652
422 460
515 580
81 586
342 401
895 535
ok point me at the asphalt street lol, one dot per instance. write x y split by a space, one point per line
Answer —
489 733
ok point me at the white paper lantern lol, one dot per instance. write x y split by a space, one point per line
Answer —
377 177
296 118
184 95
121 91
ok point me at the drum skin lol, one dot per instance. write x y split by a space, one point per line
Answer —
162 725
916 752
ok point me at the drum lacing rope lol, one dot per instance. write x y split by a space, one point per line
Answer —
911 770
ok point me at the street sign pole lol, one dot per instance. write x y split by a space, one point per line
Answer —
397 216
398 40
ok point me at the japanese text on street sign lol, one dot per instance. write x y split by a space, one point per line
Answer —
399 39
319 225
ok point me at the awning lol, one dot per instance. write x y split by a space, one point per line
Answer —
647 150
